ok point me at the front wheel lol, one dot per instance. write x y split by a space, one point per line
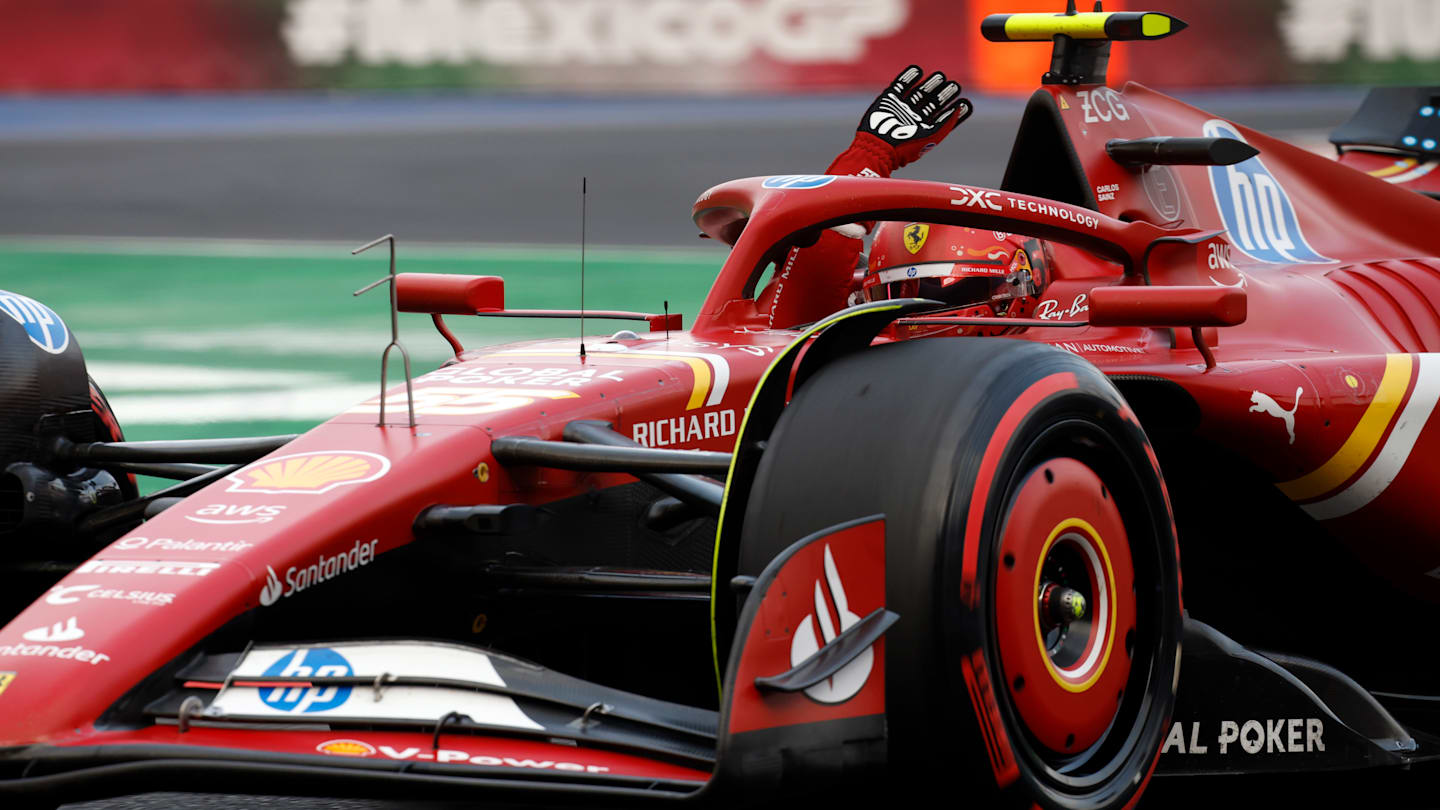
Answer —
1030 553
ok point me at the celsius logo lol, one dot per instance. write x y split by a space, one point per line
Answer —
59 631
846 683
798 181
44 327
61 594
1255 208
318 662
69 595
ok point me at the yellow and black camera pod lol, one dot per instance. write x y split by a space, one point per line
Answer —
1082 39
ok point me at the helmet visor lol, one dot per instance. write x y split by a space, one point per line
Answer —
953 284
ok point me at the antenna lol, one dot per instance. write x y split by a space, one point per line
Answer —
583 191
667 321
394 330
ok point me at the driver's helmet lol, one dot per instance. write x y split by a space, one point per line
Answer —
978 273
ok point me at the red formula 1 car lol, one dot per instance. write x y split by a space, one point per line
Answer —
755 559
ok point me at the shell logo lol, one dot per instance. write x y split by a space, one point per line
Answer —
310 473
346 748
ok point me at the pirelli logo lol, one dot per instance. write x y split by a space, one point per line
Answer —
171 568
987 713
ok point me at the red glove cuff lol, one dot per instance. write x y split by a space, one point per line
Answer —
866 152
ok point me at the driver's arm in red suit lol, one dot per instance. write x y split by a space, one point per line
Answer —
907 120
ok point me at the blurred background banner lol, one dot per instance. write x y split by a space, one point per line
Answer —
183 179
671 46
143 45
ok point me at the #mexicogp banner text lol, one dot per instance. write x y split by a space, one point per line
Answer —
685 46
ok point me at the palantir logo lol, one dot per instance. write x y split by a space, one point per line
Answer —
846 683
44 327
798 181
1255 208
317 662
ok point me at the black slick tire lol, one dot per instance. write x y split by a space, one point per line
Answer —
963 444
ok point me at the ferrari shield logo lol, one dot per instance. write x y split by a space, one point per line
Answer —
5 679
915 235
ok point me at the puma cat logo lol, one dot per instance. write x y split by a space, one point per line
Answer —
1264 403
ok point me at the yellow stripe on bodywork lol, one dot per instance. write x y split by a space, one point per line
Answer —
735 455
1353 454
1400 166
698 393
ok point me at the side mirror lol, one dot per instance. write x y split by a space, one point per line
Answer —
447 294
1128 305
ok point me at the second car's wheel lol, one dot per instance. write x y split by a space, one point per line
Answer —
1030 553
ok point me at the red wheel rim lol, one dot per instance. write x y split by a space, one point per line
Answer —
1066 676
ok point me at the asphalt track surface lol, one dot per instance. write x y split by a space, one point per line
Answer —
449 168
461 169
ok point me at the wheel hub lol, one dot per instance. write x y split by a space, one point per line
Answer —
1065 605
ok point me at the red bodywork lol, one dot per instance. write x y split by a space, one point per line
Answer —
1328 385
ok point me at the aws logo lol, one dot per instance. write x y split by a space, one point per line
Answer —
1255 208
223 513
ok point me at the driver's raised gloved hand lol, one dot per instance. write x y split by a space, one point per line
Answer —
904 122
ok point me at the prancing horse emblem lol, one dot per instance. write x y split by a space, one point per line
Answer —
915 235
1264 403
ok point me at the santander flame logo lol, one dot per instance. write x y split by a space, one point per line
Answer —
59 631
310 473
273 590
848 682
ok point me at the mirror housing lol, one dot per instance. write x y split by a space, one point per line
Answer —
448 294
1127 305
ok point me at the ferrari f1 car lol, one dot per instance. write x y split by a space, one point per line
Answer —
908 541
